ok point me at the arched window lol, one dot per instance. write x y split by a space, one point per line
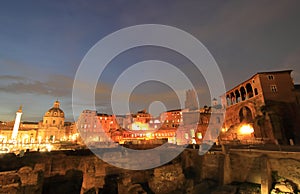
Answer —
53 122
249 90
232 97
237 96
255 91
228 100
243 93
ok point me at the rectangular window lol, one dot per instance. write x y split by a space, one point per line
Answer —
270 77
273 88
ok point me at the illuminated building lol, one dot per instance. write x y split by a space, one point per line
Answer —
171 118
52 127
18 131
141 116
150 136
155 123
195 126
38 136
268 103
134 121
108 122
27 132
89 126
96 127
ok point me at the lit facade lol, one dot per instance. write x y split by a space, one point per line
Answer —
96 127
52 128
171 118
27 132
264 101
195 127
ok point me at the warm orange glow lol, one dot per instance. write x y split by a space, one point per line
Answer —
224 130
246 129
199 135
139 126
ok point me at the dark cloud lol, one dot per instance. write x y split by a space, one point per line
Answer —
12 77
56 86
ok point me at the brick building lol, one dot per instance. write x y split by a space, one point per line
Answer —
96 127
267 103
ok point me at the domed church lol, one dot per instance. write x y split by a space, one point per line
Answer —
53 125
54 117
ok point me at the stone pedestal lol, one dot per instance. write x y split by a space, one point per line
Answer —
226 170
266 175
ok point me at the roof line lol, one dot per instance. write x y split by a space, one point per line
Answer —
265 72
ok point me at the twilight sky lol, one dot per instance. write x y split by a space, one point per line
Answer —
43 42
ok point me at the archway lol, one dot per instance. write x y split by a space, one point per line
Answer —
245 115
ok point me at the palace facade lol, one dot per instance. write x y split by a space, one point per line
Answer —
262 109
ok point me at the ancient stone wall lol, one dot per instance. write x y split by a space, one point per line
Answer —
83 172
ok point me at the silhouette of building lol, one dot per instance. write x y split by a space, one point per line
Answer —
191 102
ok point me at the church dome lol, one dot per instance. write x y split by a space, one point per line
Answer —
55 111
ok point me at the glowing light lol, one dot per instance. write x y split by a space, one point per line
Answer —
2 137
156 121
49 147
74 136
224 130
186 135
39 139
192 132
199 135
246 129
139 126
193 141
